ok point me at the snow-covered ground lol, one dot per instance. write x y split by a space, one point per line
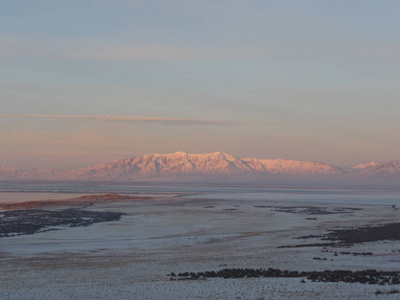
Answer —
130 258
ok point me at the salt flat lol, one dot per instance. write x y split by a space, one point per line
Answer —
130 258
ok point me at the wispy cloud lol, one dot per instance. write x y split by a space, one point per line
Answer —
22 87
98 50
128 119
164 52
76 48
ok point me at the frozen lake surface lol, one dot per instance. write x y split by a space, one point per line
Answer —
201 229
328 196
17 192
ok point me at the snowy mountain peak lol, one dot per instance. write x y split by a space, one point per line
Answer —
180 153
364 165
390 167
184 166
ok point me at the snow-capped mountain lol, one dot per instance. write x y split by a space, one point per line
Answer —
390 169
180 163
184 166
364 166
291 167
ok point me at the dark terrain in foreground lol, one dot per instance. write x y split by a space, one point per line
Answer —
356 235
364 277
21 222
338 237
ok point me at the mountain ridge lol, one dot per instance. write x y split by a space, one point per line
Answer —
184 166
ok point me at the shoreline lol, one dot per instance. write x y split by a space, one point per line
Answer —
77 201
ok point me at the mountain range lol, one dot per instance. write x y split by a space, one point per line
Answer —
220 166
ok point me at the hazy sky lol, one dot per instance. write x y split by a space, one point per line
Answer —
303 80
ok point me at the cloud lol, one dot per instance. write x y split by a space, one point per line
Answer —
97 50
22 87
26 46
76 48
164 52
128 119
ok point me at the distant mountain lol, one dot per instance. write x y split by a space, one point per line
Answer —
161 165
183 164
384 171
12 173
291 167
364 165
210 166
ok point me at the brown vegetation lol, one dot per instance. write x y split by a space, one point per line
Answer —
80 201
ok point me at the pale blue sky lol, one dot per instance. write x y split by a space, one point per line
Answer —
302 80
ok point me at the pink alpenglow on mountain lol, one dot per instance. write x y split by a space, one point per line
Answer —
218 165
180 163
365 165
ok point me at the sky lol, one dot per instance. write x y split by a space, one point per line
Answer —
90 81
